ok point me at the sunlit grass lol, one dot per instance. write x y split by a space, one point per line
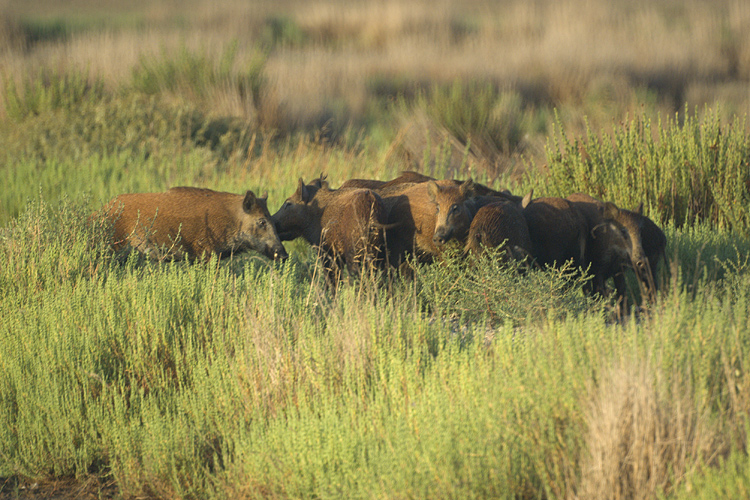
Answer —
466 379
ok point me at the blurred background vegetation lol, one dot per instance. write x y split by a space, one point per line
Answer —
477 85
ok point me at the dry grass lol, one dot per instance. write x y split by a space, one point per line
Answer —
556 53
645 434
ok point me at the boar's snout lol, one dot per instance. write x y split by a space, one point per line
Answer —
278 252
441 236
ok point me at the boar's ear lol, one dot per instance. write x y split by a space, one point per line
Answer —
639 209
263 200
527 199
249 202
433 189
609 210
320 181
304 193
467 188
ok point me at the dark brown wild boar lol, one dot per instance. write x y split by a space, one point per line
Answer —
618 239
346 224
654 243
187 222
558 230
498 223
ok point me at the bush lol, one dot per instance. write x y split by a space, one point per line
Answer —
487 288
196 74
487 122
687 169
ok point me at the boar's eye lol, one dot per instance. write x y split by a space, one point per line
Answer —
454 209
261 223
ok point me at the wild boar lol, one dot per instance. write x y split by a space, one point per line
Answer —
362 184
419 206
346 224
454 210
654 243
414 212
187 222
619 239
498 223
456 204
558 230
406 177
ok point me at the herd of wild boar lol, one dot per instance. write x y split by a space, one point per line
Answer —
380 224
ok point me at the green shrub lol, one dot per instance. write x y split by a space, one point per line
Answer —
476 114
487 288
282 31
731 479
686 170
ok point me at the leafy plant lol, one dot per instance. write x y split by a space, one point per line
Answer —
686 170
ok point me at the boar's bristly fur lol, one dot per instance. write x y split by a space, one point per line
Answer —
619 239
498 223
187 222
558 230
346 224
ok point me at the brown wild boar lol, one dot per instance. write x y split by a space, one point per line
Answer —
618 239
187 222
346 224
498 223
362 184
406 177
416 207
414 211
454 210
558 230
456 205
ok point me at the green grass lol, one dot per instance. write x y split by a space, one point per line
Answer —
242 378
687 169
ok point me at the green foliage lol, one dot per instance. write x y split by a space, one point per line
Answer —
48 92
46 245
282 31
731 479
686 170
487 288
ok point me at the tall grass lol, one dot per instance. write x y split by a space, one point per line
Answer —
245 379
687 169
